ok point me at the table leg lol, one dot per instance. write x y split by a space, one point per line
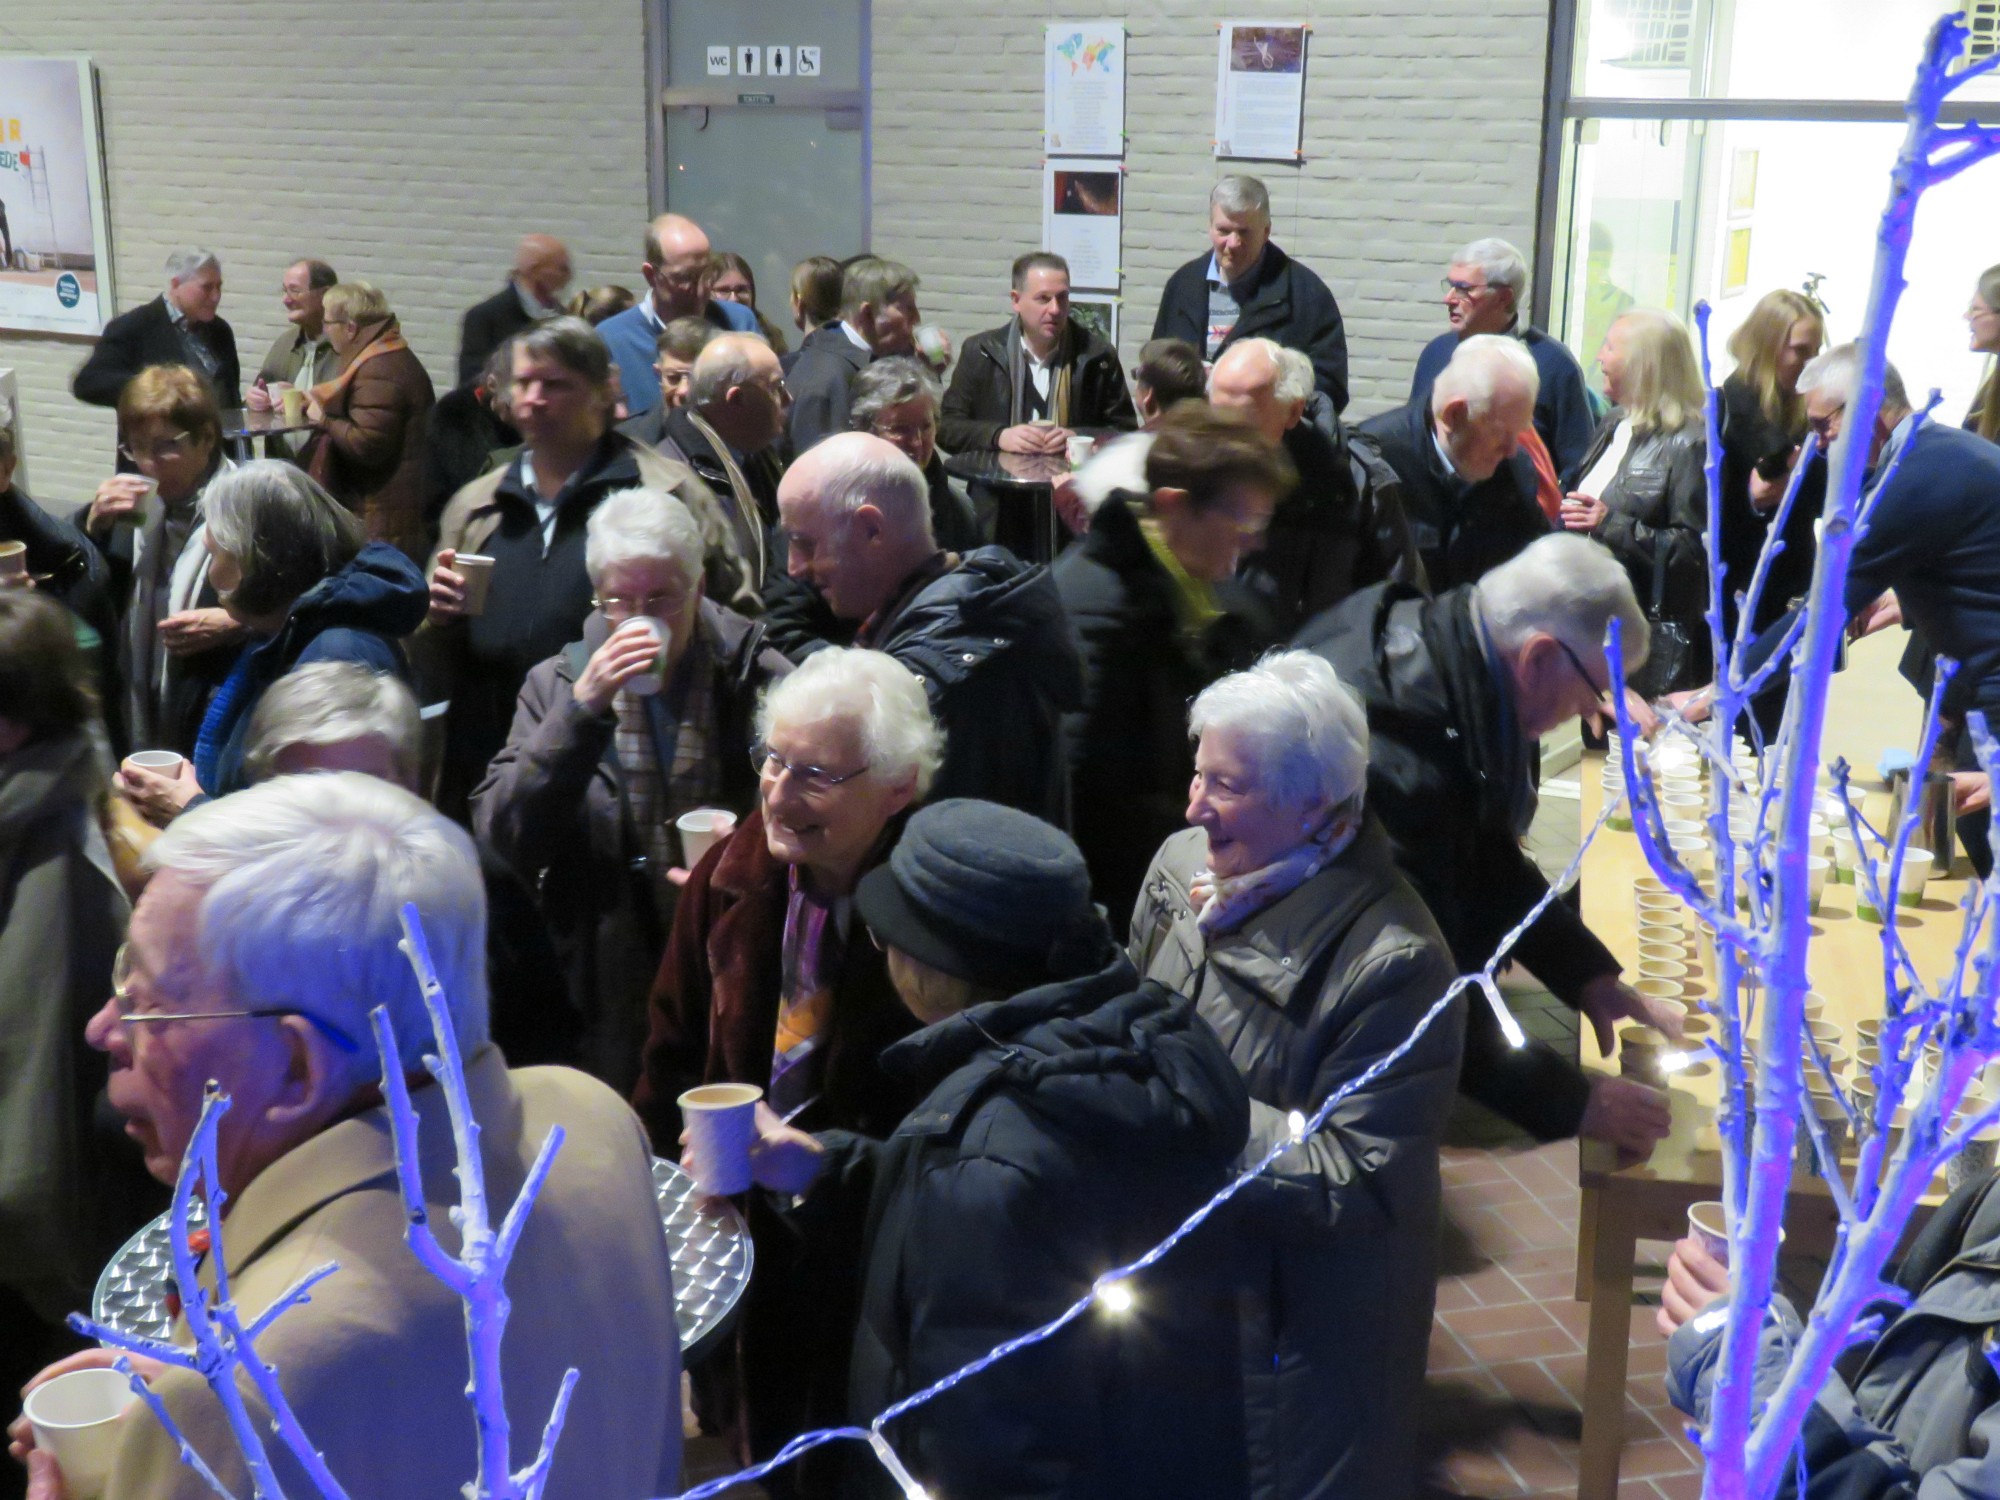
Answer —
1613 1244
1586 1240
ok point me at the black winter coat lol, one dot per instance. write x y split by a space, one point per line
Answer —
821 381
1460 530
1450 777
1286 302
64 564
1066 1131
488 325
978 405
1749 438
997 656
146 336
1129 756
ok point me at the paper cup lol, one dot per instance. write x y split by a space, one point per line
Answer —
1842 840
1910 880
649 682
1652 885
13 564
477 571
1817 870
701 830
1868 1032
292 405
159 762
1708 1224
1666 952
78 1417
1663 935
1974 1160
721 1121
1666 970
1080 449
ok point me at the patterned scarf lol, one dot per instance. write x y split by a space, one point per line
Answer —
810 962
658 795
1225 902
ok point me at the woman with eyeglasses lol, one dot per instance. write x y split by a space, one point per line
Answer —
61 916
614 738
770 979
176 641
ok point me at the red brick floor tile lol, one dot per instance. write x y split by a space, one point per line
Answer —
1490 1194
1447 1354
1656 1457
1469 1471
1453 1294
1529 1383
1575 1316
1479 1321
1530 1343
1637 1489
1550 1258
1494 1287
1647 1354
1462 1165
1539 1229
1679 1487
1545 1286
1566 1370
1535 1460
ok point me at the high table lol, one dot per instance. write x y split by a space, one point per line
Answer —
240 426
1020 482
1649 1200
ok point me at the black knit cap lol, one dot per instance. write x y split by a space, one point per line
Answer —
987 894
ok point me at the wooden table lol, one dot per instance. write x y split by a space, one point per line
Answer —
1621 1205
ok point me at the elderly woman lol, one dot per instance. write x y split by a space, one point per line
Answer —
1281 913
1640 489
294 570
607 752
176 642
769 980
897 400
61 916
372 418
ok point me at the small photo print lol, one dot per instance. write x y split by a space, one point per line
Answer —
1267 49
1094 193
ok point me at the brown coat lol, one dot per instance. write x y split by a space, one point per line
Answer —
369 450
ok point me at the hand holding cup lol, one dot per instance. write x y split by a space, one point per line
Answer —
627 656
119 498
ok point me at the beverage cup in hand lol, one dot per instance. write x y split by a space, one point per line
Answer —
701 830
477 571
78 1419
1707 1224
13 565
1080 449
649 682
722 1126
292 403
160 762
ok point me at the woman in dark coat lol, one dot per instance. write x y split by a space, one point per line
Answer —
373 417
1281 914
769 980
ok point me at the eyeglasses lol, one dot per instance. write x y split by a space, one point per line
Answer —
812 781
167 447
1826 428
617 606
1463 288
1576 661
121 995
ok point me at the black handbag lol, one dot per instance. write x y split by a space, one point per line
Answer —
1673 664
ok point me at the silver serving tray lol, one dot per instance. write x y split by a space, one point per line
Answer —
708 1239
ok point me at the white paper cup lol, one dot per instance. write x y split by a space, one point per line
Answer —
1817 870
1842 840
1080 449
77 1417
1910 881
648 683
701 830
159 762
721 1123
477 571
1708 1224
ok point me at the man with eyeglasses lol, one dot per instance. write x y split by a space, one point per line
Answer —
1483 290
268 934
1459 690
677 270
615 736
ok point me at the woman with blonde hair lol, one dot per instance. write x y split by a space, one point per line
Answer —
372 419
1640 489
1982 316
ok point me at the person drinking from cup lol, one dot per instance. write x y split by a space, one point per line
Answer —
616 736
769 980
1073 1115
176 641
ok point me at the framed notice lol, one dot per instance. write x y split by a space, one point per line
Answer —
55 274
1098 313
1083 205
1260 89
1083 98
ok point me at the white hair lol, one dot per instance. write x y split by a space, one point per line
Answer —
331 703
190 262
883 698
1239 194
724 362
1565 586
1838 373
1292 377
642 525
304 879
1305 732
862 470
1481 368
1502 264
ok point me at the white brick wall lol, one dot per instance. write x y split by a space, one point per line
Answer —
409 142
1423 130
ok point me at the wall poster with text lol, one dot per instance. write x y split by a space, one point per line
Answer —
1260 89
54 231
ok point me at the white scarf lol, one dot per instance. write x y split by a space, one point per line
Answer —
1225 902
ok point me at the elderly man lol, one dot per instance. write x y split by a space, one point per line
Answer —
878 318
1247 286
985 631
533 294
729 433
302 355
1483 289
178 327
1458 690
677 268
607 750
1342 527
529 517
272 921
1023 387
1468 489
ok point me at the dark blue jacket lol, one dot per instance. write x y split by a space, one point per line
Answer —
1934 537
1281 300
1066 1131
634 343
1562 407
360 614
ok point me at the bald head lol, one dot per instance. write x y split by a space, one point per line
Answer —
1266 384
738 386
1482 401
676 267
541 265
857 523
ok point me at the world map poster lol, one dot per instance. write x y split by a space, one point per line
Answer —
1083 103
